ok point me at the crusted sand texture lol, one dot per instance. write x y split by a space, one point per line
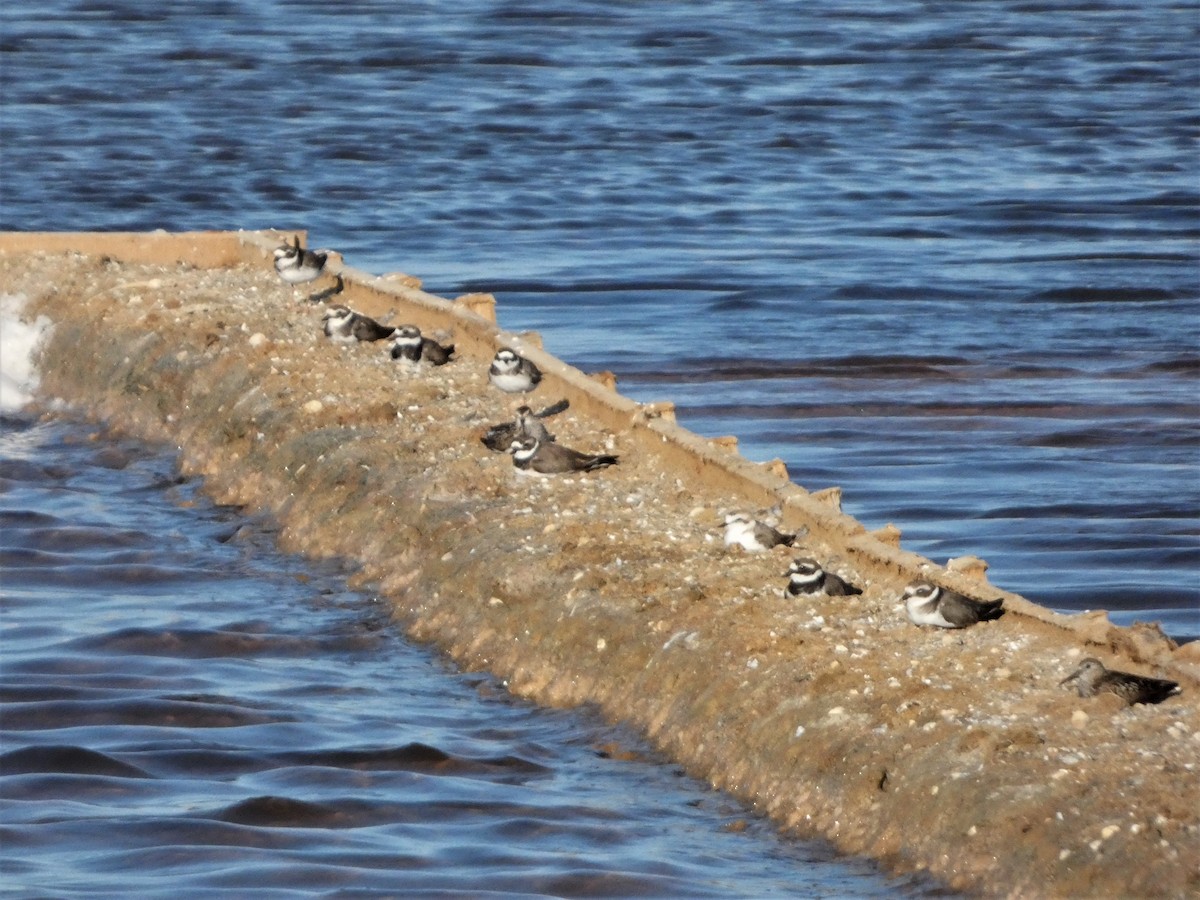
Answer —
951 752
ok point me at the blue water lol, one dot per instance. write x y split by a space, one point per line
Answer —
186 712
942 254
946 255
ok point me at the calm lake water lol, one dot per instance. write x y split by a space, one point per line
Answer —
942 254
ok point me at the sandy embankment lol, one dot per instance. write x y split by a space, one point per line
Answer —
952 752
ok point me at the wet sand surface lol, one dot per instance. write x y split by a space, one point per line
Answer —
953 752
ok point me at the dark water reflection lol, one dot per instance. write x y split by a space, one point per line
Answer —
183 711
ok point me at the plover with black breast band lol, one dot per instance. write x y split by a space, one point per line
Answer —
296 265
530 454
932 604
806 576
513 373
345 326
410 345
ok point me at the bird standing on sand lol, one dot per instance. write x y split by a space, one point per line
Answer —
513 374
411 345
932 604
807 577
1092 677
296 265
500 437
754 536
552 459
345 326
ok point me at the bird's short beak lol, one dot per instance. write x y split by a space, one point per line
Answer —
1069 678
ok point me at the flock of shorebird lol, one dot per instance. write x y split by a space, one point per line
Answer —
534 448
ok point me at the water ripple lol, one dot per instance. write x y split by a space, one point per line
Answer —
250 726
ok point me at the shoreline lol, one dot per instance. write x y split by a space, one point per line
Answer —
835 717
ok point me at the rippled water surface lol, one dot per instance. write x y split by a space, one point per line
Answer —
183 711
941 254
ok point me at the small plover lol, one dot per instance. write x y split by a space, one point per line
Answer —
553 459
1092 677
513 374
296 265
807 577
411 345
529 425
931 604
752 535
500 437
345 326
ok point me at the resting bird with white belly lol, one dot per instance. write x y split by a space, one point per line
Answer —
512 373
296 265
412 346
529 453
742 530
345 326
932 604
805 576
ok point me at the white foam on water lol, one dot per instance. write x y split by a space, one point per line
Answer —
19 342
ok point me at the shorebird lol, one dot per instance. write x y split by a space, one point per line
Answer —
345 326
296 265
553 459
513 374
527 423
1092 677
931 604
807 577
411 345
750 534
